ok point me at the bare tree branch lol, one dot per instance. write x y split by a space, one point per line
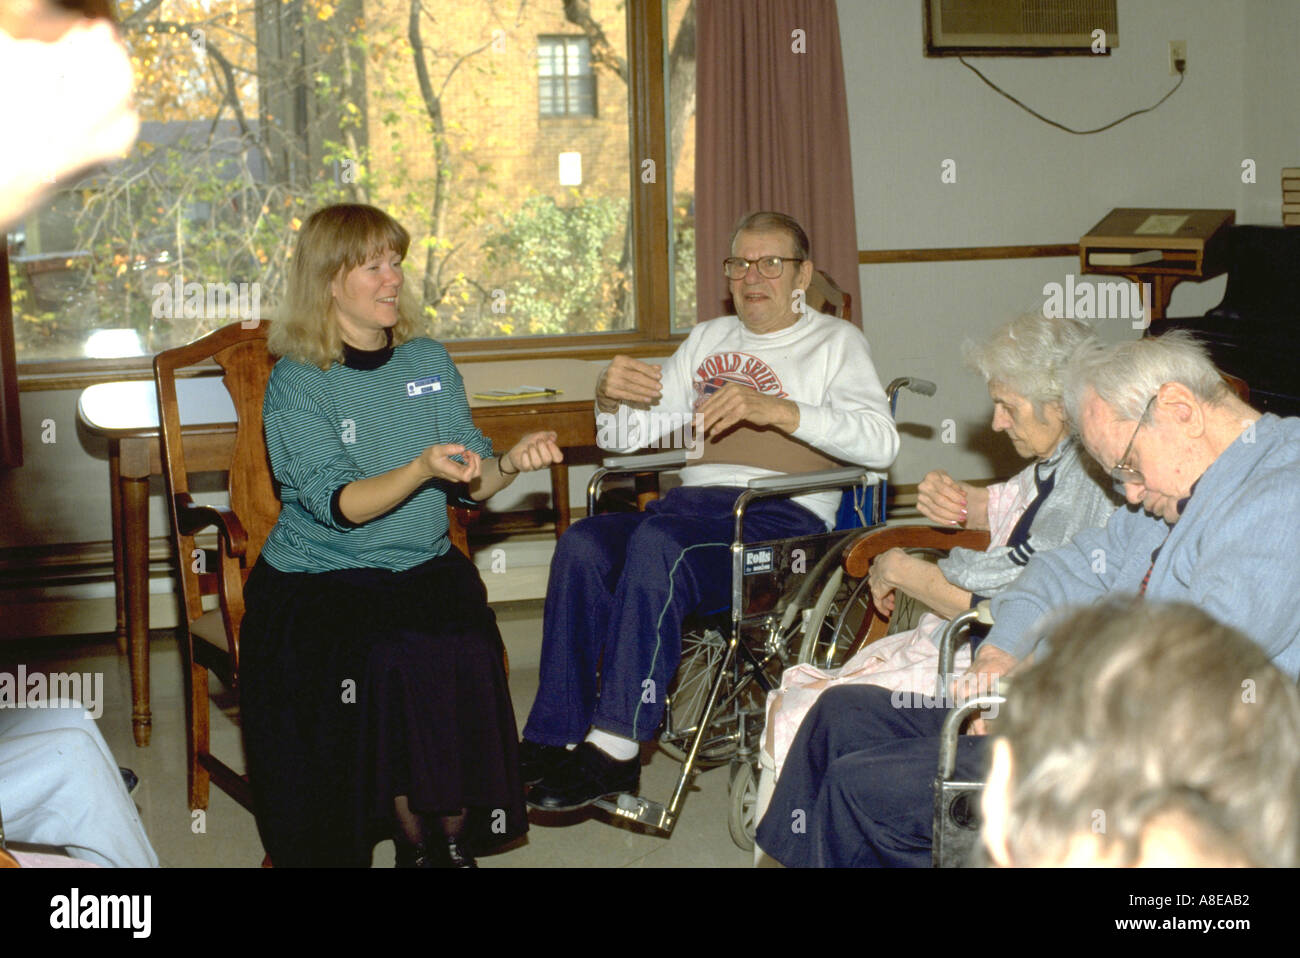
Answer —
603 53
142 11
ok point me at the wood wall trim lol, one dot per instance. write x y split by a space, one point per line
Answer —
955 254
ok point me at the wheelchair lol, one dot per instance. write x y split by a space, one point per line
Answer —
956 817
790 601
956 823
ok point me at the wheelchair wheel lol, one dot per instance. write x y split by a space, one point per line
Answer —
836 621
738 710
742 821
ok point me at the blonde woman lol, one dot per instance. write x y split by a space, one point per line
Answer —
373 693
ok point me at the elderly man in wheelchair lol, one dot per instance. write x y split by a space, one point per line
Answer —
776 388
1219 489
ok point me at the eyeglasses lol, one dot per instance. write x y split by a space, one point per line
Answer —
1123 472
769 267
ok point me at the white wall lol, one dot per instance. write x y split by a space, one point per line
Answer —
1020 181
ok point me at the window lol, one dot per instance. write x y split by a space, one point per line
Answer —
256 114
565 83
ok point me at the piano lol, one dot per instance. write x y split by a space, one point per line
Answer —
1254 333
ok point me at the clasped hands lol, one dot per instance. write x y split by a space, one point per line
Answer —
537 450
640 385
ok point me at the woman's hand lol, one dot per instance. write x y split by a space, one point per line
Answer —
947 502
537 450
366 499
886 574
436 463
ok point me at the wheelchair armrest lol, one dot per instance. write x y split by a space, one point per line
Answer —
634 463
810 481
651 462
859 555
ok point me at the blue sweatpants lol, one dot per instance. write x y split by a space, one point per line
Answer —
857 787
620 586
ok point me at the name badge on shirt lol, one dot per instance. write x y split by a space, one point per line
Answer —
429 384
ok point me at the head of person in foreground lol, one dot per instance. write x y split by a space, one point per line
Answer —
1152 735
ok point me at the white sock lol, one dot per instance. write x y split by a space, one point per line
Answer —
615 746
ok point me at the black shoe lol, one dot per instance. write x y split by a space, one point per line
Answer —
460 856
412 856
129 779
536 762
589 775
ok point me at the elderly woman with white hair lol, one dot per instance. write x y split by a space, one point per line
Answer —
1040 508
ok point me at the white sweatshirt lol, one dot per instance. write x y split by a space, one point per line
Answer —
821 363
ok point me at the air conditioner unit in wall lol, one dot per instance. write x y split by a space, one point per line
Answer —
1018 27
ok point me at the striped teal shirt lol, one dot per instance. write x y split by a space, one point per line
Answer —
326 428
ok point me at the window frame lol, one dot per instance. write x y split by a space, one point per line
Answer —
590 76
651 212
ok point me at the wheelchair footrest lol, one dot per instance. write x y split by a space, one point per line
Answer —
640 810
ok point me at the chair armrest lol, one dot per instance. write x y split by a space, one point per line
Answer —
859 555
192 517
809 481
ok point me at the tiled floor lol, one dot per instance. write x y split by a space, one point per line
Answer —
226 835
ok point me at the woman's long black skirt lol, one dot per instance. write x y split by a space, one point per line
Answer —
362 685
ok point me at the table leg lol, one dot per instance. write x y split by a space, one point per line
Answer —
560 496
135 546
115 507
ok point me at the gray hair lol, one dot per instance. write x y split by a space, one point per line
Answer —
1126 375
1027 355
1144 710
763 221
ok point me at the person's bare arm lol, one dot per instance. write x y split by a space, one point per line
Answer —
366 499
922 580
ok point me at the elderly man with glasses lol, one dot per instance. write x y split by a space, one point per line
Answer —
1219 489
776 388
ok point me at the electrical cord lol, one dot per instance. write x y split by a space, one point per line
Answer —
1182 75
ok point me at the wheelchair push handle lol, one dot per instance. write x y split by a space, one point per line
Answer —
952 634
922 387
952 729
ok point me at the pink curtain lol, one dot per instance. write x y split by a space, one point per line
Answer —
772 132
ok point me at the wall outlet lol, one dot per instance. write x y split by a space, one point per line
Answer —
1177 51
